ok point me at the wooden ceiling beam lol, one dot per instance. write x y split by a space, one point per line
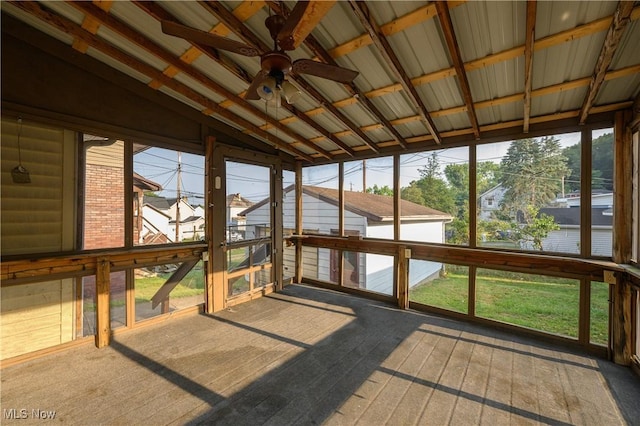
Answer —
458 64
609 47
530 38
355 94
384 48
138 39
223 15
69 27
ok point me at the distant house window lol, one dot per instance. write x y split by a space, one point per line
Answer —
490 201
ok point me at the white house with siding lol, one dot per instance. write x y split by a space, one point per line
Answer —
567 238
489 201
365 215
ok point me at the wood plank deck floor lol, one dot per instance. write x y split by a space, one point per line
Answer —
311 356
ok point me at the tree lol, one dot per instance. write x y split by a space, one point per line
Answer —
430 190
602 167
532 173
380 190
537 228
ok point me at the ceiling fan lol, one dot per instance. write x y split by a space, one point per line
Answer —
275 64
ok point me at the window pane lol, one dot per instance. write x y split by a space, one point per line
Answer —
150 283
539 302
599 313
118 299
289 225
248 201
366 271
528 194
370 212
439 285
435 196
88 296
602 193
168 196
320 199
103 193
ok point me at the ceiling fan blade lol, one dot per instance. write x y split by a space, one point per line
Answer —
285 36
318 69
252 91
203 37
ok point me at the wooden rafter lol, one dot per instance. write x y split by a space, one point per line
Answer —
244 11
456 57
135 37
91 25
415 17
68 27
611 41
528 60
105 19
223 15
362 12
315 11
355 94
511 53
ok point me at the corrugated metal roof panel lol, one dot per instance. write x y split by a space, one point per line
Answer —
471 21
441 94
614 90
556 102
553 17
497 80
36 23
394 105
628 52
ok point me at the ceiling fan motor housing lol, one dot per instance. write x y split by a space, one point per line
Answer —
277 64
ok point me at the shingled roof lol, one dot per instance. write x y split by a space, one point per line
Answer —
378 208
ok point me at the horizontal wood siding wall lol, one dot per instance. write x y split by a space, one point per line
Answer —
38 216
36 316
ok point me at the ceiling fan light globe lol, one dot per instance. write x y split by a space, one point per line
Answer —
267 89
290 92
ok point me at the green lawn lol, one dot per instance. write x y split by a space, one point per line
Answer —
191 285
535 301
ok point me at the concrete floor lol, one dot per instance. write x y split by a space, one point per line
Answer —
310 356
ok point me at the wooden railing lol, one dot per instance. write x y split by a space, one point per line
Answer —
17 270
586 270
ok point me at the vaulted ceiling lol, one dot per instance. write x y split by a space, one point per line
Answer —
429 74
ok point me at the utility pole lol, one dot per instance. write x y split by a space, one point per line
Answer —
179 196
364 175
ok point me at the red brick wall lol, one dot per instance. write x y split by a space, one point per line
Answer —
103 207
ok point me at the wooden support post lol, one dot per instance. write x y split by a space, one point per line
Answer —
218 215
622 337
298 201
341 231
397 214
103 283
208 201
277 231
622 235
402 276
622 189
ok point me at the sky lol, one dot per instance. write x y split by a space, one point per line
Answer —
161 166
